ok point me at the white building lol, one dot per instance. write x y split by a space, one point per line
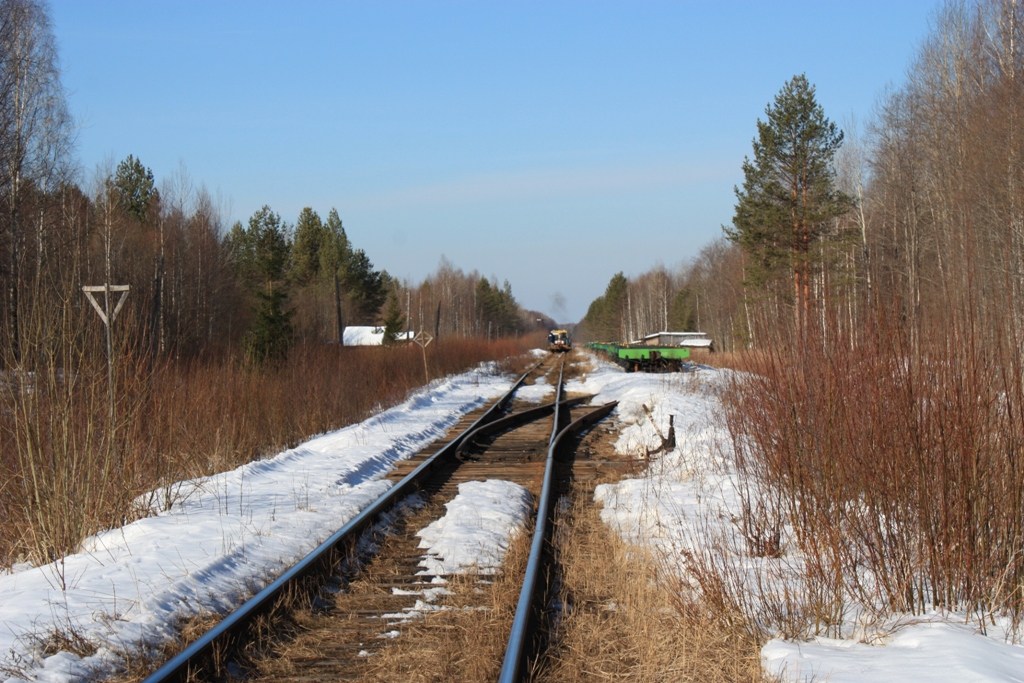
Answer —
370 336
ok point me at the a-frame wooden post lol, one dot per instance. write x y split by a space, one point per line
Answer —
108 317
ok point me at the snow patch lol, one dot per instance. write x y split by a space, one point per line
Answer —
474 534
536 392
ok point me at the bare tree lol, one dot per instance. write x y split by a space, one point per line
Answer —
35 138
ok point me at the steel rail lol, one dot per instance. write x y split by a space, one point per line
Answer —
516 651
182 665
515 419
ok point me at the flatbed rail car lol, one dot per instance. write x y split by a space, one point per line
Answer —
642 357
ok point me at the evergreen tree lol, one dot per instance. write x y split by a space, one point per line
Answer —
259 255
334 252
310 235
394 321
271 335
789 192
135 187
682 316
367 288
271 247
240 252
603 321
498 312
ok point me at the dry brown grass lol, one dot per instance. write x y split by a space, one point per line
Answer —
295 613
627 619
66 472
138 663
745 360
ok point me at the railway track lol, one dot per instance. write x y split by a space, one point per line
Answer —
369 578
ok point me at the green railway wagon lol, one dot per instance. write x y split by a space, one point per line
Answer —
638 357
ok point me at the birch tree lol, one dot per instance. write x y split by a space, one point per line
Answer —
35 139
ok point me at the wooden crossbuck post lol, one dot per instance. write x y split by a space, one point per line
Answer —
108 317
423 339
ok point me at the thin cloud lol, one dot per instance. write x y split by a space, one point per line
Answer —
540 184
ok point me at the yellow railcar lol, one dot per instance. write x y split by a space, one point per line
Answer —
559 341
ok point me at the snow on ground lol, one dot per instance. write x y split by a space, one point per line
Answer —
538 392
473 535
688 498
930 651
220 536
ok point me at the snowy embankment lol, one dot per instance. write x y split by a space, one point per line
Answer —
687 501
220 537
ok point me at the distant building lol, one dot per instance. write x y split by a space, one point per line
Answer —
690 340
371 336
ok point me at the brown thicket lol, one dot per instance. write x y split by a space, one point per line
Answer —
888 432
67 471
889 435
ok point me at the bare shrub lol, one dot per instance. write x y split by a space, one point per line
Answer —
896 464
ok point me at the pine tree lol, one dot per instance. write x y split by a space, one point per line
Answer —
682 316
789 192
310 236
603 321
367 288
135 187
394 321
271 335
334 252
271 247
259 256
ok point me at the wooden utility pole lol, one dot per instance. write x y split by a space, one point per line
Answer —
337 310
108 317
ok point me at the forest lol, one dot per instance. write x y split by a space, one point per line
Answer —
223 340
871 283
917 212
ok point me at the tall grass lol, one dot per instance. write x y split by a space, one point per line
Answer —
894 467
67 470
627 615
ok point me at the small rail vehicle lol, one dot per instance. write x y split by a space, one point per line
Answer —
559 341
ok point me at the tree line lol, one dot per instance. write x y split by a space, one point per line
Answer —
198 286
919 213
451 302
705 294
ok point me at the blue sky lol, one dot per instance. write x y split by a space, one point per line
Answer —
548 143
